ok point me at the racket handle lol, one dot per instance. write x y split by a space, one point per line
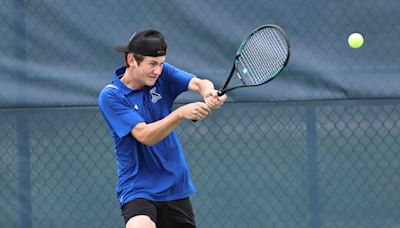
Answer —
220 93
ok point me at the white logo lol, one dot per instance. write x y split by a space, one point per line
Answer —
154 95
136 107
132 37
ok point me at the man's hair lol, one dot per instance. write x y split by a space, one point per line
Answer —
138 58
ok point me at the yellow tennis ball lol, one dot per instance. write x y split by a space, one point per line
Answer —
356 40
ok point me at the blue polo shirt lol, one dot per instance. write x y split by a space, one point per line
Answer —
157 172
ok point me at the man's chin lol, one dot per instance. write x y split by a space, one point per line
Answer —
151 83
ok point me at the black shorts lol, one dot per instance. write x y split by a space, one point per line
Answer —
177 213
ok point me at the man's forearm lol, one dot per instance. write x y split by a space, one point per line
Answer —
205 86
201 86
153 133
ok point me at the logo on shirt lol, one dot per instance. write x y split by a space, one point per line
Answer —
136 107
154 95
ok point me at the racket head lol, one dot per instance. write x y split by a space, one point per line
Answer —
261 56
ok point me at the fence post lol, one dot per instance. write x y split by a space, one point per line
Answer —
312 155
24 170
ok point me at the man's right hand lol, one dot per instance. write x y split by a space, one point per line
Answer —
194 111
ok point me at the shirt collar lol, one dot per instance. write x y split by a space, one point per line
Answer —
117 81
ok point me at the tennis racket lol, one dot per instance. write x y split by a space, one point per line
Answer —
260 58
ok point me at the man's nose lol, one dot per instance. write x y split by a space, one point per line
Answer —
157 70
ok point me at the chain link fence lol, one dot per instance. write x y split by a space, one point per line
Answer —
317 147
253 164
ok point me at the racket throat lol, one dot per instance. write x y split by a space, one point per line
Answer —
223 90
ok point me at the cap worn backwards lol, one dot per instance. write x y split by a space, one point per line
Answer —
147 42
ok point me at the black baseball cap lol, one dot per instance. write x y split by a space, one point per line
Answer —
148 42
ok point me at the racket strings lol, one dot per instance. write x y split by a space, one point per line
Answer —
263 56
262 52
263 49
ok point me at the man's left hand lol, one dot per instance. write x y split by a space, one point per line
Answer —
212 99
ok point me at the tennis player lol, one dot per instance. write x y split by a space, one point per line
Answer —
154 184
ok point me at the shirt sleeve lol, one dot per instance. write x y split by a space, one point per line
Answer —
120 117
178 79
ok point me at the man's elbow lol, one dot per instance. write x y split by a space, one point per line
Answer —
148 142
144 139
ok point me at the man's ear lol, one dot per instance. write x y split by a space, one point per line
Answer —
131 60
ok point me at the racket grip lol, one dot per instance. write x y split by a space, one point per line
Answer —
220 93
